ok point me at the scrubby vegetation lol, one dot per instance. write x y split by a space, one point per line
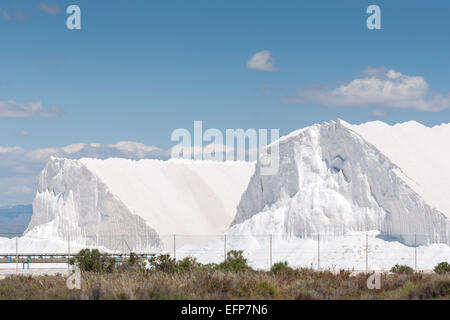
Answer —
402 269
163 277
204 283
93 260
235 262
281 267
442 267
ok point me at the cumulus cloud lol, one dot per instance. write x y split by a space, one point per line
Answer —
377 86
51 10
261 61
13 109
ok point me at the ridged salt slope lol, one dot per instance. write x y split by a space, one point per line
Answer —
422 153
332 180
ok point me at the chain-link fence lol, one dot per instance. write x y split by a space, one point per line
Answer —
358 251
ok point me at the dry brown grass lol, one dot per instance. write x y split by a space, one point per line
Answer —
211 284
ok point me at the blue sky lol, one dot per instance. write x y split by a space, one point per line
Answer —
139 69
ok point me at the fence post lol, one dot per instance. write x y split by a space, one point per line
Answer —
415 252
225 248
271 252
367 252
318 252
17 254
174 246
68 252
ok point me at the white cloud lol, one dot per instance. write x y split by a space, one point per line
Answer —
261 61
52 10
13 109
378 113
377 86
10 149
8 16
20 190
23 133
138 149
41 155
73 148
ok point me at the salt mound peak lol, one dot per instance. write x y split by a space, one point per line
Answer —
336 177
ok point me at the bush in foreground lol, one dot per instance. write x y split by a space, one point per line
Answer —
216 284
93 260
281 267
235 262
435 289
188 264
442 268
402 269
163 262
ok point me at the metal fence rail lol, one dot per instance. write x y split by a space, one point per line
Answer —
358 251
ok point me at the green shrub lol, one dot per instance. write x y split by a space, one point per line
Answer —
442 267
163 262
266 290
235 262
133 259
280 267
209 266
188 264
93 260
437 289
133 263
402 269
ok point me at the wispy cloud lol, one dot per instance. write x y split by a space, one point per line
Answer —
20 15
261 61
5 15
377 86
23 133
49 9
17 15
378 113
13 109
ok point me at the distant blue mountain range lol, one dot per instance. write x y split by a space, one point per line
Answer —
14 220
